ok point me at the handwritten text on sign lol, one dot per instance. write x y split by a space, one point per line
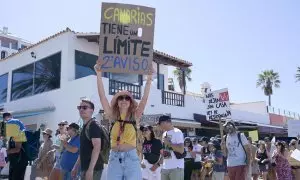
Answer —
126 38
217 105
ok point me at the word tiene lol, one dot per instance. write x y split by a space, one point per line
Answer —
120 29
128 16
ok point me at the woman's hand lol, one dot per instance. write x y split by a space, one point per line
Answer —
97 66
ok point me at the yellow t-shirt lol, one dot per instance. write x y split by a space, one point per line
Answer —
128 136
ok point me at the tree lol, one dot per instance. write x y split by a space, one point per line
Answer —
298 74
178 73
267 80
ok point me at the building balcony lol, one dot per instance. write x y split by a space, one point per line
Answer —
116 86
172 98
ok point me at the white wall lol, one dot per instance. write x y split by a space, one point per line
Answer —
67 97
255 107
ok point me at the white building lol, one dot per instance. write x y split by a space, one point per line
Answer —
44 82
10 44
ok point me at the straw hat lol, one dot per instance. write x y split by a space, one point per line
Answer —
123 93
48 132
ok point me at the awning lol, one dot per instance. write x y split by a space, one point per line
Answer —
185 123
31 112
153 119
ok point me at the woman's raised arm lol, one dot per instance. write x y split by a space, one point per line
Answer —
143 102
101 91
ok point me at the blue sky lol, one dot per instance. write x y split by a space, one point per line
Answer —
228 42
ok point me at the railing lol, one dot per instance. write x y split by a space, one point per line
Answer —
116 86
171 98
283 112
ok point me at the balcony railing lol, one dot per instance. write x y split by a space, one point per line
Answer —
283 112
116 86
171 98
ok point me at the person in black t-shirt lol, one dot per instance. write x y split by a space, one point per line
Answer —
89 160
152 150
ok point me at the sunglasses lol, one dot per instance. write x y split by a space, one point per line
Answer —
61 124
126 98
44 134
82 107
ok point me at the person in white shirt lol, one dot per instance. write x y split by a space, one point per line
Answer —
173 142
238 152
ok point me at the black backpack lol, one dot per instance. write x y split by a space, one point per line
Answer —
105 142
240 142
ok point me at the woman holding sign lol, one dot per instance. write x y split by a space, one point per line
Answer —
125 113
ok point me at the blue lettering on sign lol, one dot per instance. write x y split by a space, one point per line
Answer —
117 62
123 62
106 60
136 66
144 64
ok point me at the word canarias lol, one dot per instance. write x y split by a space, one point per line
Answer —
128 16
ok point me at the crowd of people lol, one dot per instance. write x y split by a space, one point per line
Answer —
75 152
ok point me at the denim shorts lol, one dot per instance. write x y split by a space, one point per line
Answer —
124 166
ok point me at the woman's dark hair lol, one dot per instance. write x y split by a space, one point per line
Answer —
282 147
152 135
57 132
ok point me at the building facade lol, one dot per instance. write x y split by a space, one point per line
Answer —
44 82
10 44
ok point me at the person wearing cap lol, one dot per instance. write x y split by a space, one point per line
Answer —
58 148
173 141
45 160
71 151
15 134
238 152
126 113
152 154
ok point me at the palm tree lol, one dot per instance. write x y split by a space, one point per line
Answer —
178 73
298 74
267 80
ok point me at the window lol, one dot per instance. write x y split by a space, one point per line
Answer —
3 54
23 46
84 64
161 82
128 78
22 82
3 88
47 74
14 45
42 76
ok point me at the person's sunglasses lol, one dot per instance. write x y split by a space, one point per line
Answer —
82 107
44 134
145 129
126 98
61 124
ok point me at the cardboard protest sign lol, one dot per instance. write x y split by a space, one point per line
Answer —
217 105
254 135
126 38
293 128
